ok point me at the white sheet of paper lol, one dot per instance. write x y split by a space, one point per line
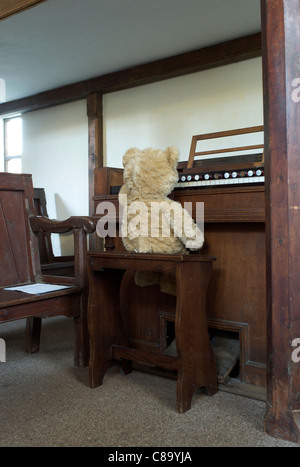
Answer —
38 288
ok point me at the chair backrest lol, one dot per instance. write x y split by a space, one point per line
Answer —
19 257
44 238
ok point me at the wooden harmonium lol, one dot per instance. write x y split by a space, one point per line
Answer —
239 164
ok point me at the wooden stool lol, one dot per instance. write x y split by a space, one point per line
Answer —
195 362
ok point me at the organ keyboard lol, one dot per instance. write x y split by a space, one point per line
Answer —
220 178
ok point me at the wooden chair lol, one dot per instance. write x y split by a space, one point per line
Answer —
20 264
110 323
50 264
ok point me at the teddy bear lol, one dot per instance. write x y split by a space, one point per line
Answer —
151 221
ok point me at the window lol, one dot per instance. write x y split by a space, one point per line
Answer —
13 144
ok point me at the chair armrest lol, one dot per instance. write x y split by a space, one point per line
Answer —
80 226
44 224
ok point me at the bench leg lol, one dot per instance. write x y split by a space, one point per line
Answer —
196 361
105 323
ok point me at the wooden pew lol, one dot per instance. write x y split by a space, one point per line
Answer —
20 265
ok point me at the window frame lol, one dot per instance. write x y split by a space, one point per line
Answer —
5 142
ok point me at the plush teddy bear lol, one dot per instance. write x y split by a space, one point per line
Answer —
152 222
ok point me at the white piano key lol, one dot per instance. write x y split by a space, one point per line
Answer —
220 182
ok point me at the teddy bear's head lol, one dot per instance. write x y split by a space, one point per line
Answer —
150 173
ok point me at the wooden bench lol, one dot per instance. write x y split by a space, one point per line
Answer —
109 322
20 265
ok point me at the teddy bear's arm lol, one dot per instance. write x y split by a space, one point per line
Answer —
122 197
183 226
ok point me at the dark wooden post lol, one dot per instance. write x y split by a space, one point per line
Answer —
281 68
95 123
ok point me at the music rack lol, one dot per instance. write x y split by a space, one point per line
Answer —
228 169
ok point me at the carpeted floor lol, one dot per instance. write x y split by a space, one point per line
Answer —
46 401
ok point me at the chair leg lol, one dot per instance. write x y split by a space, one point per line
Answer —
82 341
33 334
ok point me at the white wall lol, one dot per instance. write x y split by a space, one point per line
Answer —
171 112
55 152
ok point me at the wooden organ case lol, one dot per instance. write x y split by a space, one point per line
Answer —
232 190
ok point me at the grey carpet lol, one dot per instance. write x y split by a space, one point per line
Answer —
46 401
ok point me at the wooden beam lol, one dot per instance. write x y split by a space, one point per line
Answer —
95 116
206 58
281 52
10 7
95 132
95 154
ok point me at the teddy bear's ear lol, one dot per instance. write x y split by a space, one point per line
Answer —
172 155
128 154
